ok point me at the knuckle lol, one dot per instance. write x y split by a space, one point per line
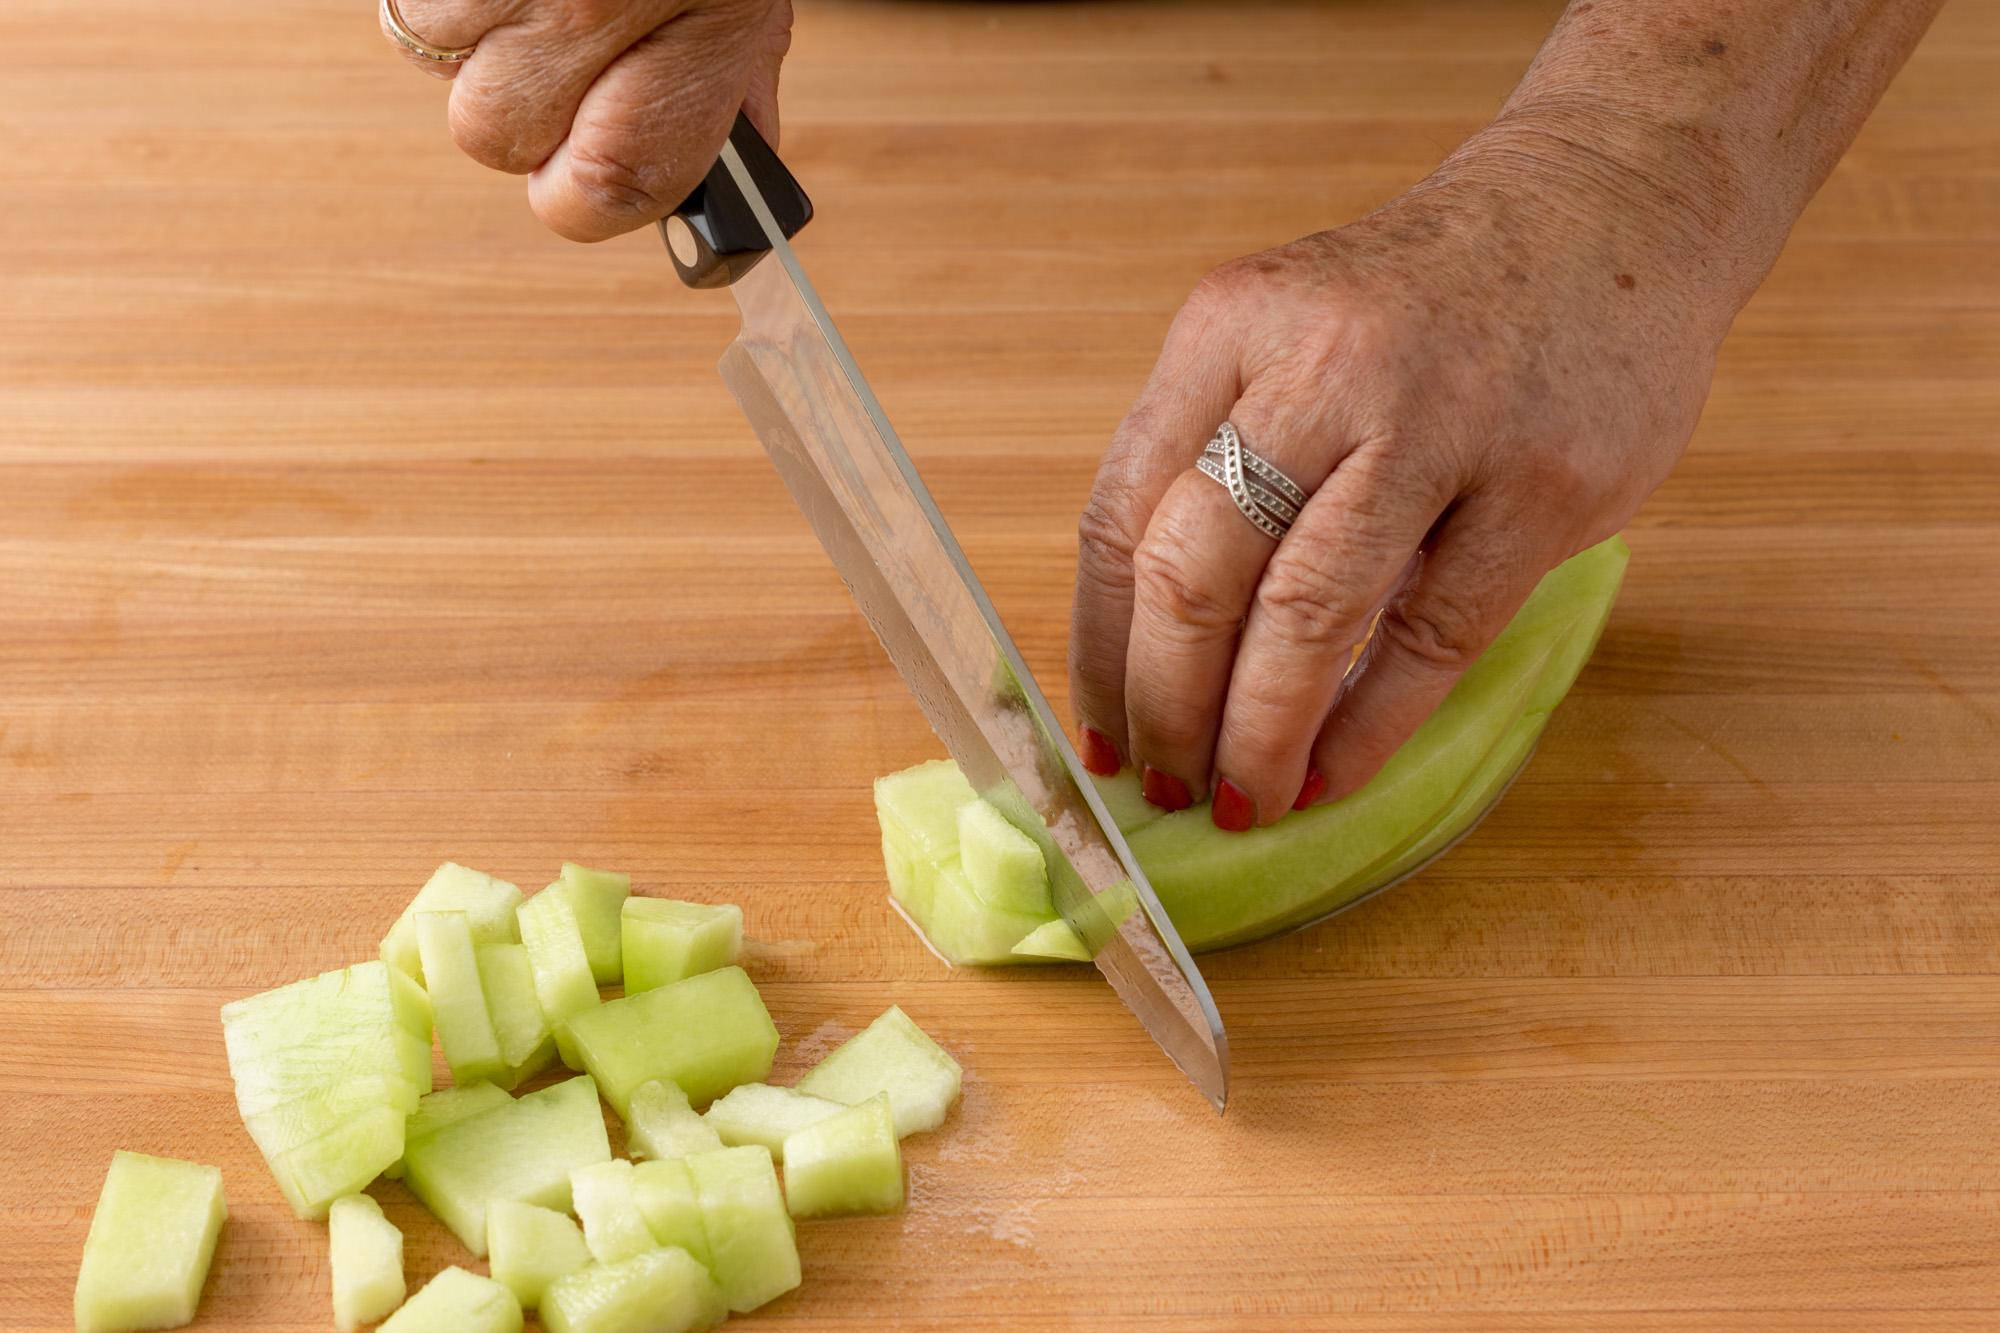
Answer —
1107 532
609 182
1442 629
1307 605
478 128
1169 585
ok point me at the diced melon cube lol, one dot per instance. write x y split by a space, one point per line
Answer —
750 1238
847 1163
664 1291
458 1001
760 1113
1053 939
666 941
286 1126
707 1033
919 806
1004 864
527 1046
563 980
613 1228
524 1150
910 878
365 1252
661 1123
529 1247
456 1301
342 1161
489 905
596 896
447 1106
322 1034
966 930
150 1242
891 1055
665 1194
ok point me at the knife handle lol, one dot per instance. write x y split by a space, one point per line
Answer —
713 237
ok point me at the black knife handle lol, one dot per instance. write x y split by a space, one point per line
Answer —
713 237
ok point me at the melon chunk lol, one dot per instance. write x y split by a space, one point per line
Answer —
707 1033
529 1247
760 1113
613 1227
365 1252
444 1107
524 1150
663 1291
846 1163
596 896
666 1197
750 1238
661 1123
666 941
456 1301
527 1046
919 808
150 1242
458 1001
1004 865
342 1161
489 905
1053 940
285 1127
895 1056
563 980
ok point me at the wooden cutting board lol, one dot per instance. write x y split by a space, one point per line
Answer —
348 523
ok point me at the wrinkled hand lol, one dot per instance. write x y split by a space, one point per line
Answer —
1472 384
613 109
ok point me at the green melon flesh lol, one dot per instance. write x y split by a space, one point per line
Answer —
285 1127
150 1242
524 1150
1053 940
760 1113
446 1106
458 1001
661 1123
1004 866
665 1194
563 980
846 1163
597 897
708 1034
665 941
663 1291
895 1056
365 1254
456 1301
489 905
529 1247
750 1236
613 1227
343 1161
527 1046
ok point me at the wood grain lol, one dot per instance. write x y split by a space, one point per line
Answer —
348 522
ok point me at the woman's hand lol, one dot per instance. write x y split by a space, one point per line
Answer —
613 109
1472 384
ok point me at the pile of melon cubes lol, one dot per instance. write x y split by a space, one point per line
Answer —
333 1080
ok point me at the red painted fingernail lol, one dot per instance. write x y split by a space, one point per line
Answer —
1232 810
1164 789
1100 756
1315 784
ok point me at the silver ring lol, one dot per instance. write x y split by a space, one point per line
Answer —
417 46
1267 497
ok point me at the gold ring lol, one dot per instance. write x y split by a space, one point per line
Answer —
409 41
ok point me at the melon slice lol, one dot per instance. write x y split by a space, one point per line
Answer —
286 1126
563 980
661 1123
750 1237
444 1107
760 1113
489 905
524 1150
456 1301
596 896
707 1033
1004 866
613 1227
1053 940
895 1056
342 1161
666 941
663 1291
527 1046
458 1001
666 1197
150 1242
846 1163
365 1253
529 1247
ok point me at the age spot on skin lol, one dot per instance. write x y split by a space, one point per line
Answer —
1713 47
1626 281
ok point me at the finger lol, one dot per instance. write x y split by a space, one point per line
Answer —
1319 591
1477 572
449 24
760 100
1195 574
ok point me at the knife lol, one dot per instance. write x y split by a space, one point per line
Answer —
806 399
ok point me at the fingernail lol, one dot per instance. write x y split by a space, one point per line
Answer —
1164 789
1232 810
1315 784
1100 756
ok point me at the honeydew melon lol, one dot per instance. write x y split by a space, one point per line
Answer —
613 1227
754 1252
760 1113
285 1127
895 1056
660 1123
1003 865
524 1151
341 1161
708 1034
846 1163
458 1001
489 905
456 1301
365 1253
665 1194
564 982
529 1247
527 1046
1053 940
150 1242
446 1106
666 941
663 1291
597 896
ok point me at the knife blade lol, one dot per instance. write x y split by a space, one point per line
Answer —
824 429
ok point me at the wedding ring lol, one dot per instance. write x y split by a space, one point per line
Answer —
392 18
1267 497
